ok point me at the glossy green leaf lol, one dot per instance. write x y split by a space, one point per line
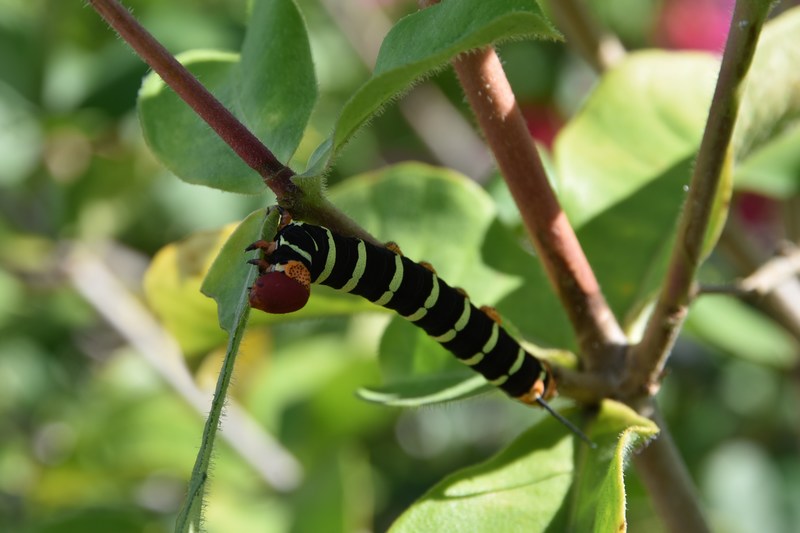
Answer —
424 42
624 164
271 88
627 249
771 99
407 353
457 216
735 328
543 481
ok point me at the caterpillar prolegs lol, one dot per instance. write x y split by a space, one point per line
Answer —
303 254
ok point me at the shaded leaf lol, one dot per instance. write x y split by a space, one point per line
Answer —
275 108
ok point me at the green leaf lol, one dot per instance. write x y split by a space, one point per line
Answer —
644 117
773 169
425 391
733 327
540 482
624 164
423 42
408 352
223 282
271 88
599 486
771 99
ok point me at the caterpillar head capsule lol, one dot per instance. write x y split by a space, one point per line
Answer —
277 293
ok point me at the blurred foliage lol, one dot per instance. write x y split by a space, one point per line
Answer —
94 438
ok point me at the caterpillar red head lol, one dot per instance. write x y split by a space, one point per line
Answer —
281 289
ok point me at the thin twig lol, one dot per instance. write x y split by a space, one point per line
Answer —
246 145
650 355
766 278
782 302
774 272
602 50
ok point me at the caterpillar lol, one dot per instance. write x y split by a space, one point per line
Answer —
303 254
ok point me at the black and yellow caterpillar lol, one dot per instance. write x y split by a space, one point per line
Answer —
303 254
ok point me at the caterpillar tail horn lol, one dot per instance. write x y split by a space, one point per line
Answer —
572 427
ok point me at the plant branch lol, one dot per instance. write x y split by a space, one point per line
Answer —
246 145
782 300
664 473
766 278
490 96
650 355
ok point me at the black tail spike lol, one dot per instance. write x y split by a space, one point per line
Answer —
572 427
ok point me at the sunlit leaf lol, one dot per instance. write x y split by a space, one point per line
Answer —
624 164
771 99
543 481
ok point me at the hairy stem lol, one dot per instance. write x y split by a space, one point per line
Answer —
671 489
246 145
650 355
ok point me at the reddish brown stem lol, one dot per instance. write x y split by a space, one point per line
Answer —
493 102
246 145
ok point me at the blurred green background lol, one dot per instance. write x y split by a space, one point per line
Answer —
99 425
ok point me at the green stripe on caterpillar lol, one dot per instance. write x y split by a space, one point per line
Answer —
304 254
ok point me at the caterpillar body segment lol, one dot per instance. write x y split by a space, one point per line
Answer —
382 275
